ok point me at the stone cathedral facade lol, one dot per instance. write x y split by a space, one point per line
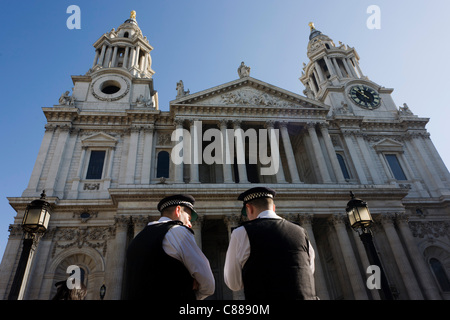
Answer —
105 162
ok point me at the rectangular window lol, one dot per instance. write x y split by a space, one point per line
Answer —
95 167
343 166
395 166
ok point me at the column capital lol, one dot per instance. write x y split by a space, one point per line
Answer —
223 124
269 124
199 222
306 219
122 222
338 219
178 122
311 125
236 123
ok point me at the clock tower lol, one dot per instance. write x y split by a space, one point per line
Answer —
333 76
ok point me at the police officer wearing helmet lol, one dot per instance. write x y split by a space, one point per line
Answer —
268 256
164 261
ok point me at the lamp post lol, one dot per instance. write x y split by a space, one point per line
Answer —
361 221
34 224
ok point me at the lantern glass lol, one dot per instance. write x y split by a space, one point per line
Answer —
36 217
358 213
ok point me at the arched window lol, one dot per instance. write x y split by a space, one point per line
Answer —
125 35
440 274
163 163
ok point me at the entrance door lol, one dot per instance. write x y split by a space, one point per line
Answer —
214 246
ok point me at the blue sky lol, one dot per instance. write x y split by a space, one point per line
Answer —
202 42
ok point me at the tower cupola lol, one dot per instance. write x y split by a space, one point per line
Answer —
329 65
124 48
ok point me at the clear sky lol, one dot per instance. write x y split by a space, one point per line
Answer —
202 42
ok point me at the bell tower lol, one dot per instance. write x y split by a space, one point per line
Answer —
121 75
333 76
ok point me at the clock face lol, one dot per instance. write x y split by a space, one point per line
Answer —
365 97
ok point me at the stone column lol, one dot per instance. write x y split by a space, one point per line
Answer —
102 55
357 67
114 57
336 65
40 161
354 157
280 173
401 259
351 264
319 277
329 66
132 155
136 57
240 151
367 158
179 167
132 57
318 153
232 221
319 71
422 269
331 153
226 156
52 177
289 153
196 149
147 155
365 261
116 259
107 57
126 58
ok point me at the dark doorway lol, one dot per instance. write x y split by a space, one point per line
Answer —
214 246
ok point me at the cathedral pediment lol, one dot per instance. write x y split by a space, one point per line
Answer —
388 145
248 92
99 140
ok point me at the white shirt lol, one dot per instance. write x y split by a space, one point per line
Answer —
239 251
179 243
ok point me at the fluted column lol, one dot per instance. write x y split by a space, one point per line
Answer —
132 155
351 264
196 148
423 271
289 153
226 155
114 57
179 166
240 151
331 153
401 259
318 153
57 159
147 155
319 276
368 158
126 57
354 156
116 259
269 125
102 55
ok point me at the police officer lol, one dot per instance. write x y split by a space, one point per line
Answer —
164 261
268 256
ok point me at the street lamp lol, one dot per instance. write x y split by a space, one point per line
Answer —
34 224
361 220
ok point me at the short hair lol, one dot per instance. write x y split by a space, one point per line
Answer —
262 203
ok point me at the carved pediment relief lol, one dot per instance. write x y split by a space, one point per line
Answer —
249 92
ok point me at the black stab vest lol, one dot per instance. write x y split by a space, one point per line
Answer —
151 273
278 265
